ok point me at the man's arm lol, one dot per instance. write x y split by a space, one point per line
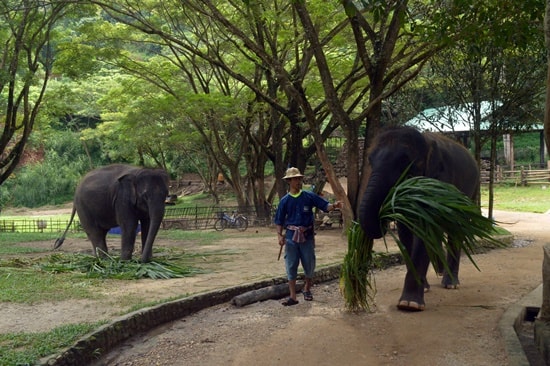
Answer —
280 235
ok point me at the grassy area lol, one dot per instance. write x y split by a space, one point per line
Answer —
22 282
27 348
524 199
200 237
35 280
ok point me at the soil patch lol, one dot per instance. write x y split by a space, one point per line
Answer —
458 327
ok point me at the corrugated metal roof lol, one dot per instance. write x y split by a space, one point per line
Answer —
455 119
449 118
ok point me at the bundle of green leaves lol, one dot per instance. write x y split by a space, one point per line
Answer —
114 267
356 277
436 212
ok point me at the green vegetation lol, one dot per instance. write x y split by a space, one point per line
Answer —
526 149
52 182
533 198
114 267
21 281
356 278
13 248
62 276
9 241
431 208
26 348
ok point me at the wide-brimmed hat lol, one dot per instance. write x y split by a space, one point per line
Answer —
293 173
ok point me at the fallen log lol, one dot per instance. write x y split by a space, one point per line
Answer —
262 294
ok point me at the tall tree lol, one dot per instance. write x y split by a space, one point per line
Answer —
315 63
26 61
547 105
392 42
211 61
501 66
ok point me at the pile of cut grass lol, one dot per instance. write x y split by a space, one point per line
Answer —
115 268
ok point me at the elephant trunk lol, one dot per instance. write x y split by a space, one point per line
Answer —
152 230
369 210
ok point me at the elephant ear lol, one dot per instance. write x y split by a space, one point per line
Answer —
434 161
125 190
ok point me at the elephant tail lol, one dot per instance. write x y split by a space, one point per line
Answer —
61 239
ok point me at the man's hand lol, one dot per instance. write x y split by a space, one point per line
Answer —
335 205
281 239
281 244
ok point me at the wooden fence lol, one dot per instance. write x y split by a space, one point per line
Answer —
523 177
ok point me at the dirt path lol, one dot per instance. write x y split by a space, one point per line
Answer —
459 327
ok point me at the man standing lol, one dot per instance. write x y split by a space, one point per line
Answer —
295 223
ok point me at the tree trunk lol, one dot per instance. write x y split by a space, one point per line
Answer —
266 293
547 105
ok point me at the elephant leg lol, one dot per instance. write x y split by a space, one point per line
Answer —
407 239
144 233
99 241
439 268
128 240
412 296
450 280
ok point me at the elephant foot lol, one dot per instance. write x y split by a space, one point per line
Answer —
410 306
449 282
426 287
412 297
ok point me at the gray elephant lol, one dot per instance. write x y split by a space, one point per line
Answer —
121 195
428 154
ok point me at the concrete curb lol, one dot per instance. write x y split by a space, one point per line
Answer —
511 321
542 339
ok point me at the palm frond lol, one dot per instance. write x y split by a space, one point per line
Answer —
440 215
113 267
436 212
356 278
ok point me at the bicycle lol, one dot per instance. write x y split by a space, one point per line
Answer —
236 221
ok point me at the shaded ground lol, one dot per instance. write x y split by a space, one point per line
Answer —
459 327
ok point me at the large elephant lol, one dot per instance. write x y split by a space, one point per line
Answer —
121 195
425 154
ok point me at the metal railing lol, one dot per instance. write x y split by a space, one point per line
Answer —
184 218
52 225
